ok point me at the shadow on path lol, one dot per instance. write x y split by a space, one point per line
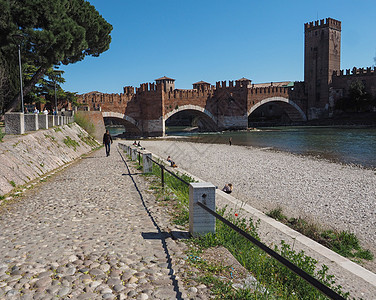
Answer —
159 235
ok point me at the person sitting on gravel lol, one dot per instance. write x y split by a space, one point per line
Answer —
227 188
171 162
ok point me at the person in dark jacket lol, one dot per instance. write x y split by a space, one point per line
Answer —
107 141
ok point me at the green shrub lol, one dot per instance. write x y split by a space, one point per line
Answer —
2 134
71 143
342 242
84 123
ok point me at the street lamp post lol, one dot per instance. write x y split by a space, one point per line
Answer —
55 98
18 38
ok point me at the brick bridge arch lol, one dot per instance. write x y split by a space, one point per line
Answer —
127 119
200 110
293 110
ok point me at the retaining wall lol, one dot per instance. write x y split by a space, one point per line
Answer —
27 157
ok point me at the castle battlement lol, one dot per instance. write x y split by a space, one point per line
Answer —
128 90
238 84
148 87
189 94
269 90
328 22
355 71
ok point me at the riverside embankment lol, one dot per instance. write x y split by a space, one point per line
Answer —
27 157
337 195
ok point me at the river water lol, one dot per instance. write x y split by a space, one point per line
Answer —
346 145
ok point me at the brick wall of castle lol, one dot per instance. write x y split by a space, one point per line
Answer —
343 79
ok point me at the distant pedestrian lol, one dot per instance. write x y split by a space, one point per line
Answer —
107 141
230 141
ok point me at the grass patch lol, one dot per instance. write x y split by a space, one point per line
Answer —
177 192
12 183
342 242
89 140
71 143
49 137
2 133
273 279
84 123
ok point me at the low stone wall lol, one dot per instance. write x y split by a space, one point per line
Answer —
25 158
19 123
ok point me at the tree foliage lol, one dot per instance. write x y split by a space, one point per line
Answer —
358 99
55 32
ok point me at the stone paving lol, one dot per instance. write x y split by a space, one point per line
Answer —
92 231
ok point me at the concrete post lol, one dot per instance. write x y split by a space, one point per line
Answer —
147 164
43 121
51 121
31 122
129 149
57 120
200 221
123 147
14 123
134 153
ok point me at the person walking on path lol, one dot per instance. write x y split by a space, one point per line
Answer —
107 141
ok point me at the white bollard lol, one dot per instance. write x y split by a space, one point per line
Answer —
147 164
134 153
200 221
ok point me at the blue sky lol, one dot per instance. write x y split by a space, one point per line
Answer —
215 40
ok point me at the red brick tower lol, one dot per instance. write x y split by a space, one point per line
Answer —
322 54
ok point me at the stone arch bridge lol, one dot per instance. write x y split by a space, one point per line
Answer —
145 110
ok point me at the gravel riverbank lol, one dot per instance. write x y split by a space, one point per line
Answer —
339 196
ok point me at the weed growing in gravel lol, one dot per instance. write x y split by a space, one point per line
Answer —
12 183
71 143
175 191
342 242
2 134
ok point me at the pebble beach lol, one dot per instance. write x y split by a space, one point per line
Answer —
335 195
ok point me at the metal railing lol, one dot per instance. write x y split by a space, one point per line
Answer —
324 289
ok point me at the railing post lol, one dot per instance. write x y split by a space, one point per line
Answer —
162 176
200 221
147 164
133 154
139 157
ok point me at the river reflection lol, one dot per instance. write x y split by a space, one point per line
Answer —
347 145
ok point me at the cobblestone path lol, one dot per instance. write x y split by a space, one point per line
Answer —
90 232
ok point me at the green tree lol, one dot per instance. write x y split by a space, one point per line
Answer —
358 98
55 32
